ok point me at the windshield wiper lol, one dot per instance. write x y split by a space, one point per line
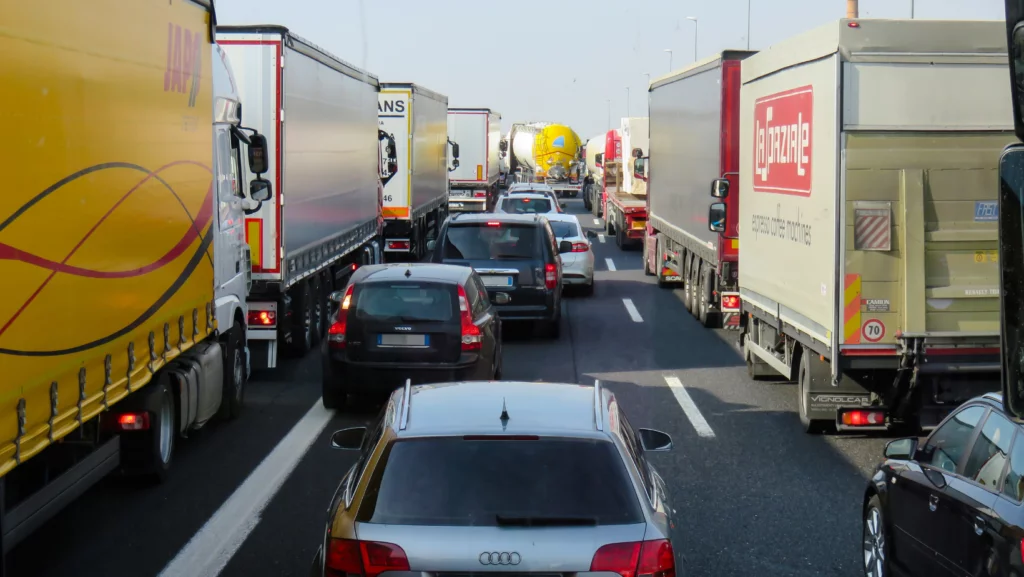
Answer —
538 521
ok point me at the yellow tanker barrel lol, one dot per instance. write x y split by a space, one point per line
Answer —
555 149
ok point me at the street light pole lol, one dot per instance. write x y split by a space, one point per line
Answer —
748 23
669 50
694 19
911 9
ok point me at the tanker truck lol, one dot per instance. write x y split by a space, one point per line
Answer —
546 153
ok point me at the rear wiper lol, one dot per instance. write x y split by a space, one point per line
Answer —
504 521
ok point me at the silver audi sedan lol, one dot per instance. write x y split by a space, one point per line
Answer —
578 265
496 477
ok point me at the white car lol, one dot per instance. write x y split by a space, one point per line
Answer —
578 265
538 189
526 203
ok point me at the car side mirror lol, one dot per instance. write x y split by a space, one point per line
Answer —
431 244
901 449
564 247
591 234
652 440
258 154
719 188
260 190
716 217
350 439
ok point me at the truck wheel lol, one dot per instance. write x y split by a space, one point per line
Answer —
302 326
620 238
647 259
707 318
149 453
316 293
609 229
687 284
233 395
804 376
586 198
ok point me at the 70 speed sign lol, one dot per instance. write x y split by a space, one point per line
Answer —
873 330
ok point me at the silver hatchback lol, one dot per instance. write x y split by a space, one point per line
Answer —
465 479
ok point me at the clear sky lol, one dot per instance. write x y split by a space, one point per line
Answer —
555 60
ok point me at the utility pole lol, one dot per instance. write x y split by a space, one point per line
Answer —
852 10
694 19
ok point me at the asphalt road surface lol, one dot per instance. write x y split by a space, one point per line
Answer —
754 495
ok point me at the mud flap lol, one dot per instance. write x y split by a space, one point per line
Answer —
824 400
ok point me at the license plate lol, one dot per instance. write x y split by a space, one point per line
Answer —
400 340
497 281
639 224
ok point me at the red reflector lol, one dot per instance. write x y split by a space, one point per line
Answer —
133 421
730 301
262 318
854 24
550 276
336 334
472 337
480 194
863 418
580 247
493 223
399 244
365 558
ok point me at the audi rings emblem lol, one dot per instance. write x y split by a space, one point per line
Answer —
503 558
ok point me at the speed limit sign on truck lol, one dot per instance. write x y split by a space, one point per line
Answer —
873 330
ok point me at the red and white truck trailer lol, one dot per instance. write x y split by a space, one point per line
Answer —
624 210
694 142
474 181
319 115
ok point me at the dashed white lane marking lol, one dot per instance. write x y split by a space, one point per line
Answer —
601 237
611 265
689 407
631 309
597 221
209 550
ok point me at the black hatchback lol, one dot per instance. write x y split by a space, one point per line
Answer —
952 505
518 258
429 323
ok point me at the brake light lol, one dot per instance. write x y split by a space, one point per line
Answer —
863 418
638 559
472 338
262 318
346 557
580 247
480 193
731 302
550 276
399 245
336 334
493 223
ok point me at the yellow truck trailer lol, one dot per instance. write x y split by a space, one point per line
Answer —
869 255
124 264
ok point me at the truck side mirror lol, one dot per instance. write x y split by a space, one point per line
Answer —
599 159
716 217
720 188
503 146
455 150
258 154
260 190
638 168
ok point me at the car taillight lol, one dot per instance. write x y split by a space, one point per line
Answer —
346 557
336 334
580 247
550 276
262 318
472 338
863 418
638 559
399 245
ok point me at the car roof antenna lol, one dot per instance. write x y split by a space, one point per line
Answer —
504 415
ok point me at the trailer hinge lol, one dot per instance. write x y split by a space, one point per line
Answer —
53 408
151 341
107 363
195 324
167 341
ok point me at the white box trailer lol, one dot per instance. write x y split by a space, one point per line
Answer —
319 115
416 199
868 240
635 131
474 182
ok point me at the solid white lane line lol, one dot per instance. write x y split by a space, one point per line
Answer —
601 237
597 221
689 407
611 265
209 550
631 309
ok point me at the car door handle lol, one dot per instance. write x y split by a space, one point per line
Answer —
933 503
979 526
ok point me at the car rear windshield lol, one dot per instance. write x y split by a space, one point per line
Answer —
465 482
408 302
526 205
564 229
484 241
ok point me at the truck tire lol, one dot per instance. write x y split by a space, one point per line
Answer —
687 284
647 259
317 303
805 374
233 395
586 197
609 228
706 317
149 454
620 238
302 325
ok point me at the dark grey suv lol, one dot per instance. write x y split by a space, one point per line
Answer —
479 478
